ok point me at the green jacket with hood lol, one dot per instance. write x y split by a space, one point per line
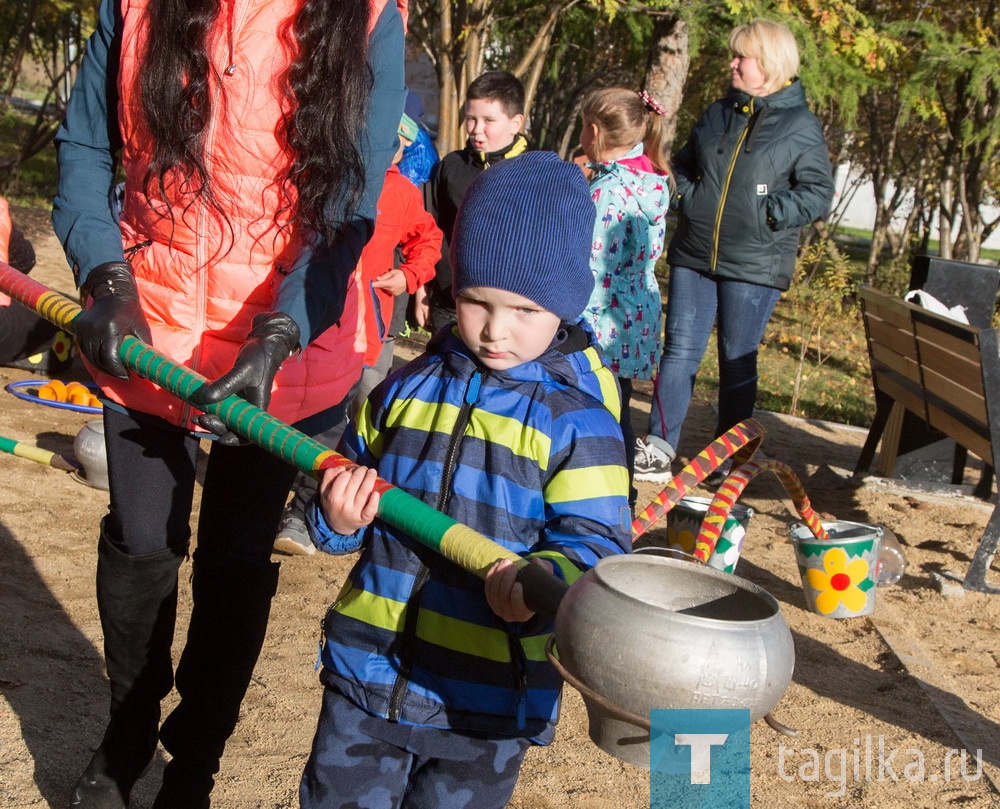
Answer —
753 171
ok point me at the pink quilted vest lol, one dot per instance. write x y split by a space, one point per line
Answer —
5 230
203 278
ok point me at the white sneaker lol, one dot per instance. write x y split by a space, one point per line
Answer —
652 464
293 537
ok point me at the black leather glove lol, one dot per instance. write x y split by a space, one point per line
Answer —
273 337
114 313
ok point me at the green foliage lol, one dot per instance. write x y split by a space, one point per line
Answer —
967 59
41 42
586 53
35 180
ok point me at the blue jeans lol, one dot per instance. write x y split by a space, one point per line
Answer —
695 300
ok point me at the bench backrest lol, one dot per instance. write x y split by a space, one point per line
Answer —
974 287
936 367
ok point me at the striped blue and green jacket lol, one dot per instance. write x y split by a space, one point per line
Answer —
533 458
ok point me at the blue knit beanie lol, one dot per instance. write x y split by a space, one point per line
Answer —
525 226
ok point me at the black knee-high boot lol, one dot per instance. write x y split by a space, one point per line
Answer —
137 601
232 603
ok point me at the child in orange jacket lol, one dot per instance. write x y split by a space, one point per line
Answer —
402 228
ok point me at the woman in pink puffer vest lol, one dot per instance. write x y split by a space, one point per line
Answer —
253 136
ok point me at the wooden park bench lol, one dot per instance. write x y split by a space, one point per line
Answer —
947 374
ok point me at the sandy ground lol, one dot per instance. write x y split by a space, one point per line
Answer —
919 676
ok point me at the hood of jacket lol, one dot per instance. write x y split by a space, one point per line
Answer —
649 188
791 95
760 107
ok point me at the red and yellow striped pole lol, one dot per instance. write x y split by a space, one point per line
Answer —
739 442
457 542
729 492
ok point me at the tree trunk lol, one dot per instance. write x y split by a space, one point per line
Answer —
880 233
669 59
917 212
13 67
566 145
529 69
946 209
971 220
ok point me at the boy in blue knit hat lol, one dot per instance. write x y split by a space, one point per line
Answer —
435 685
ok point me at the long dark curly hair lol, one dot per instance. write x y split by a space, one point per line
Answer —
330 83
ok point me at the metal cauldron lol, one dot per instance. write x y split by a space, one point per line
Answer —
640 632
90 451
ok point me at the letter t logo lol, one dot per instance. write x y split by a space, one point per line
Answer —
701 745
699 757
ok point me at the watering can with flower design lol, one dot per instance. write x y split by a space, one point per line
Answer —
839 572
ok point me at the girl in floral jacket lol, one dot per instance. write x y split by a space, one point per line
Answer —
630 185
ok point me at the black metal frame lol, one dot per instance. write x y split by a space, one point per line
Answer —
975 576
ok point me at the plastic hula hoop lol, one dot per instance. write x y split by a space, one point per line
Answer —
19 389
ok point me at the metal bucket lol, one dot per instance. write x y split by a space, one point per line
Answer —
684 523
641 632
839 573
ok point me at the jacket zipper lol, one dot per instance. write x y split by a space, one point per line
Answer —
135 249
201 256
520 665
413 602
725 189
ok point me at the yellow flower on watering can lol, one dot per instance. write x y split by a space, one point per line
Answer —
838 582
681 539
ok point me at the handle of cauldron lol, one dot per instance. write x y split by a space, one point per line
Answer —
457 542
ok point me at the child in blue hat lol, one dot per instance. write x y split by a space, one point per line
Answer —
436 685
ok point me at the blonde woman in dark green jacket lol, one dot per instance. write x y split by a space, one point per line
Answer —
754 171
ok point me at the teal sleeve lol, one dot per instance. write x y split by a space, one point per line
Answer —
87 144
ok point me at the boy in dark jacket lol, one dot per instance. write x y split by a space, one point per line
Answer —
508 423
494 115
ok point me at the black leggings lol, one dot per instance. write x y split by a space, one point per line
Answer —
151 470
625 384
